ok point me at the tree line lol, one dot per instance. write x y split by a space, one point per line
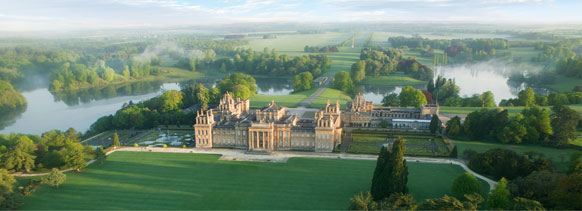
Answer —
528 97
533 125
531 176
271 63
324 49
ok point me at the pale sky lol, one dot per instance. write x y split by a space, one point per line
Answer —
30 15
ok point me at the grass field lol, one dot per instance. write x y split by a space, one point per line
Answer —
291 100
343 60
560 157
368 142
564 83
162 181
332 95
395 79
293 44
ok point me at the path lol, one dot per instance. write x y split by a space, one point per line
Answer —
315 95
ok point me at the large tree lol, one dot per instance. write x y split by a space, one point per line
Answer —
536 186
391 100
100 155
465 184
391 173
487 99
526 204
21 155
6 184
116 142
302 81
412 97
454 126
499 196
343 82
564 122
568 193
75 156
434 123
526 97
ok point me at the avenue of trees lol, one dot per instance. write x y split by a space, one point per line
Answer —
463 50
324 49
271 63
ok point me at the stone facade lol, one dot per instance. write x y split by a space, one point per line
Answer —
361 113
233 125
271 128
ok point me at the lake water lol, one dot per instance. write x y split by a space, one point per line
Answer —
80 109
481 77
377 93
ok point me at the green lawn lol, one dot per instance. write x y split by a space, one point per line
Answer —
560 157
162 181
395 79
332 95
564 83
343 60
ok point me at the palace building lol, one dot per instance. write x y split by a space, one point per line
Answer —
272 128
361 113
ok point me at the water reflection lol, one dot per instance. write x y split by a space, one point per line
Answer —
377 93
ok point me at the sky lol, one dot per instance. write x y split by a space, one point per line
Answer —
31 15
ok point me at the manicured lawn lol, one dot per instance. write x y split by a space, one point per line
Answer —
395 79
291 100
162 181
343 60
332 95
560 157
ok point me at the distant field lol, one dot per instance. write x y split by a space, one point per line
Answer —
343 60
162 181
332 95
291 100
560 157
428 61
564 83
523 54
293 44
395 79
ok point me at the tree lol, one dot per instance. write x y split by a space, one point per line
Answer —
241 91
501 163
454 126
434 123
575 165
564 122
100 155
126 73
412 97
21 155
116 142
526 204
568 193
465 184
74 156
343 82
391 100
398 201
56 177
536 186
487 99
192 64
362 201
499 196
6 184
171 100
108 74
391 173
526 97
358 71
302 81
451 203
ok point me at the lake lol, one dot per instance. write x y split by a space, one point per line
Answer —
80 109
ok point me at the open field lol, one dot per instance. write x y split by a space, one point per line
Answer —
343 60
293 44
394 79
161 181
332 95
564 83
291 100
559 157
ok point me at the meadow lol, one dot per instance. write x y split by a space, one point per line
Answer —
293 44
162 181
